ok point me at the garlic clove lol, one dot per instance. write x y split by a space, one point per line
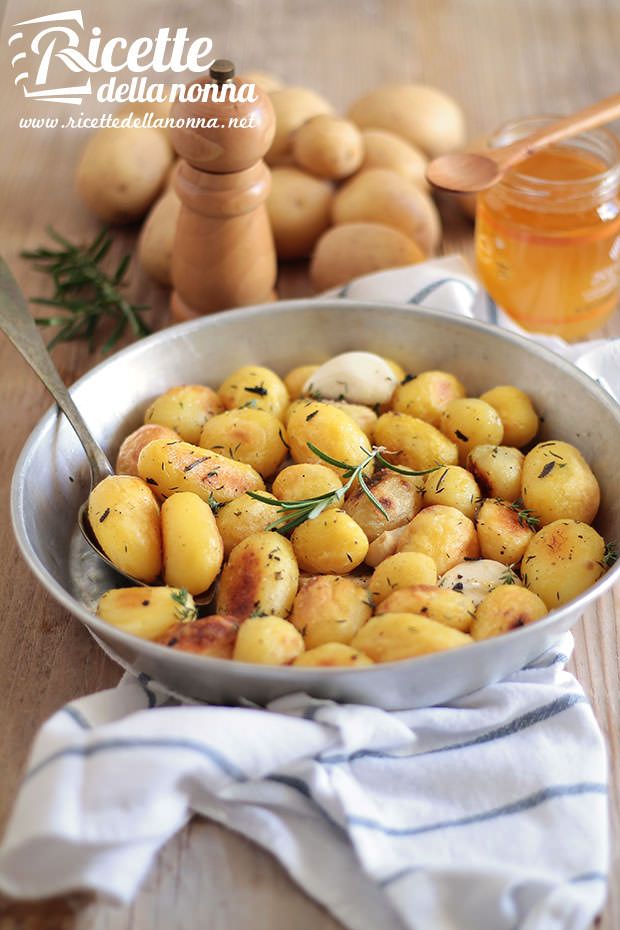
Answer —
357 377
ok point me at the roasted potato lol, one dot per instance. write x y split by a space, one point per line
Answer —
331 543
427 395
506 608
192 546
516 411
477 578
557 482
242 517
363 416
395 636
503 531
146 612
469 422
443 533
452 608
330 609
330 430
384 546
212 636
413 443
562 560
260 577
452 486
267 641
497 470
247 435
399 495
300 482
331 654
296 378
124 516
184 409
255 386
401 570
132 446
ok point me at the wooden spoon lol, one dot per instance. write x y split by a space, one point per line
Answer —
469 172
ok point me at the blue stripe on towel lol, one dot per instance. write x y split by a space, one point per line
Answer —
76 715
492 313
144 680
425 292
516 807
405 873
589 877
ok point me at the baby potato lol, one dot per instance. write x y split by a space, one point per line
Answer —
469 422
451 608
254 437
563 559
330 609
401 571
267 641
169 467
255 386
292 107
192 545
413 442
399 495
383 149
443 533
260 577
124 516
242 517
516 411
506 608
212 636
363 416
299 208
497 469
185 409
330 430
476 579
296 378
331 543
395 636
300 482
132 446
146 612
503 535
452 486
384 546
427 395
332 654
397 370
558 482
328 146
157 237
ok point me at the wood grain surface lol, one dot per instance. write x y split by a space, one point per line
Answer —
502 59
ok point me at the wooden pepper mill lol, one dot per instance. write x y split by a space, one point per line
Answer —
223 254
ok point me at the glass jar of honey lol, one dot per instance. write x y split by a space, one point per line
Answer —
548 234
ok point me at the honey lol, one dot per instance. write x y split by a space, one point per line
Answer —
548 235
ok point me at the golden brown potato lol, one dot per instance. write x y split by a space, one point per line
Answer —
503 531
296 378
124 516
395 636
443 533
516 411
331 543
399 495
444 605
330 430
413 443
333 654
292 107
383 149
497 470
563 559
132 446
452 486
475 579
470 422
212 636
401 570
384 546
192 546
506 608
558 482
185 409
300 482
255 386
328 146
397 370
146 612
363 416
260 577
267 641
242 517
255 437
330 609
157 237
299 208
427 395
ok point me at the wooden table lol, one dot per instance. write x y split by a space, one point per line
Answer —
502 59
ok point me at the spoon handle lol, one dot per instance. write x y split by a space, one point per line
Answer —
17 323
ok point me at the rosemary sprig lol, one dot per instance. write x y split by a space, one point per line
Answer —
610 555
293 513
185 610
527 518
84 292
509 576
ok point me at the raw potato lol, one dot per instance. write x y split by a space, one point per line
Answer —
242 517
502 534
292 107
362 415
169 467
497 469
384 546
330 430
255 386
452 486
329 147
122 171
192 546
401 571
443 533
395 636
351 250
470 422
423 115
299 208
476 579
381 196
383 149
124 516
260 577
157 237
266 81
331 543
330 609
427 395
212 636
505 608
333 654
296 378
563 559
185 409
146 612
399 495
414 443
132 446
255 437
451 608
558 482
268 641
357 377
300 482
516 411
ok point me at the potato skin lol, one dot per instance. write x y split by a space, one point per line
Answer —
469 422
157 237
267 641
192 546
292 106
562 560
124 516
506 608
427 395
132 446
300 482
443 533
443 605
399 495
331 543
255 385
333 654
383 149
330 609
414 443
212 636
497 470
329 429
260 577
452 486
558 482
296 378
384 546
401 570
185 409
242 517
359 413
516 411
299 208
395 636
502 536
149 613
252 436
328 146
169 467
